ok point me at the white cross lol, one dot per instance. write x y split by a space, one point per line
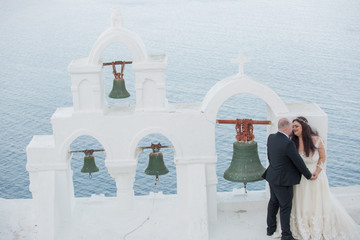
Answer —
116 19
240 60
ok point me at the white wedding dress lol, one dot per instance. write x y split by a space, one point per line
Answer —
316 214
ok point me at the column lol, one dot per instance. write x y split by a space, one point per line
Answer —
192 197
124 174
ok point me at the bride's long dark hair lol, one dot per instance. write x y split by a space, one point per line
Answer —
307 134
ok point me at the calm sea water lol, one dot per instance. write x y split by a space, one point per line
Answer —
306 51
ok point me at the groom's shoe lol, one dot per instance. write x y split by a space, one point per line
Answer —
288 238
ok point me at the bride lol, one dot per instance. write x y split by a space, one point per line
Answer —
316 214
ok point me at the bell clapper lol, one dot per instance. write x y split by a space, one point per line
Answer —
90 175
245 187
156 179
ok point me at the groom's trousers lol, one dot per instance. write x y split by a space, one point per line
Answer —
280 197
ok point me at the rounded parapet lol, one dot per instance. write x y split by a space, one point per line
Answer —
118 34
67 140
237 84
176 143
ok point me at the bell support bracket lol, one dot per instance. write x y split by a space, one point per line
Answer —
244 127
155 147
88 152
122 63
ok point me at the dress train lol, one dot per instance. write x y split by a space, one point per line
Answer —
316 214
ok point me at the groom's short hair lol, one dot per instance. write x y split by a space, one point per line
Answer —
283 123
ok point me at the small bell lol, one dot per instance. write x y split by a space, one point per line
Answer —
156 164
89 165
119 90
245 165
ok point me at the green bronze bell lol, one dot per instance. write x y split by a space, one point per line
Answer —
89 165
156 164
119 90
245 165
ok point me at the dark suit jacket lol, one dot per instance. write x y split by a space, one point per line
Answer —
285 163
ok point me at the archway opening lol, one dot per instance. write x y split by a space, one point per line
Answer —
239 106
100 182
144 184
118 52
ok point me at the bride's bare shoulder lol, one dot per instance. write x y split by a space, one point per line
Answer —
317 141
314 138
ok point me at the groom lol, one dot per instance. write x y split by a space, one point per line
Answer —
284 171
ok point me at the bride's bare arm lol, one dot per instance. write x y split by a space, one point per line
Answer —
322 158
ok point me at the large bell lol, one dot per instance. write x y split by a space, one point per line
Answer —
156 164
89 165
245 165
119 90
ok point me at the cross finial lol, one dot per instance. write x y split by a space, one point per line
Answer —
240 60
116 19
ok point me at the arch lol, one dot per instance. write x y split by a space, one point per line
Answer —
115 35
84 132
143 183
242 105
101 182
230 86
156 130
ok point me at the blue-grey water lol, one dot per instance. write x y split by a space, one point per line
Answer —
305 50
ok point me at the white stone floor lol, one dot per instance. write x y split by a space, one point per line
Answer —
240 216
